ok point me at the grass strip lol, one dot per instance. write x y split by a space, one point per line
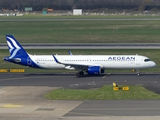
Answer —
103 93
99 31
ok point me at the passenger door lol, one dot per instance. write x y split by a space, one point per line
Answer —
137 60
29 61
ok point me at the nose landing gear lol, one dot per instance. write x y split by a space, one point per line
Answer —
138 72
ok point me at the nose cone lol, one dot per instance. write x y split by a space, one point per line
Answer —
153 64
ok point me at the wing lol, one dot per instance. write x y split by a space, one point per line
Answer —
79 66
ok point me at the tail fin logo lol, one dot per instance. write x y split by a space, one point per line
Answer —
13 54
9 45
12 43
15 49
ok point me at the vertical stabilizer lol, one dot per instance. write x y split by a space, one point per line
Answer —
15 48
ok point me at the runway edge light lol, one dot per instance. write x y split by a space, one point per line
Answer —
114 84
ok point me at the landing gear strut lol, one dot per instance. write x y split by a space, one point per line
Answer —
138 72
80 74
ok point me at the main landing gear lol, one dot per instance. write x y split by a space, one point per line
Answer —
80 74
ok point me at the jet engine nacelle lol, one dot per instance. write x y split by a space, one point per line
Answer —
94 70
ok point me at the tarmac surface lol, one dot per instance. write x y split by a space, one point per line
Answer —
86 45
148 80
22 97
74 19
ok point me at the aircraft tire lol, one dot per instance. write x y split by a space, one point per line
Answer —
81 73
77 74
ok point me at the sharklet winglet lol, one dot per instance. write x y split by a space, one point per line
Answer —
56 59
70 52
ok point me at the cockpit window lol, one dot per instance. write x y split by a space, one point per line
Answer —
146 60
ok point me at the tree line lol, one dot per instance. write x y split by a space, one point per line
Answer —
38 5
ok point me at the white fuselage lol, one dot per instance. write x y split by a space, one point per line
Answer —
104 61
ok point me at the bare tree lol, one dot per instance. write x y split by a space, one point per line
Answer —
84 4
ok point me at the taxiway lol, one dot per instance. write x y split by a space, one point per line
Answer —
148 80
22 97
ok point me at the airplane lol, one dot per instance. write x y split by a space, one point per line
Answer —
91 64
